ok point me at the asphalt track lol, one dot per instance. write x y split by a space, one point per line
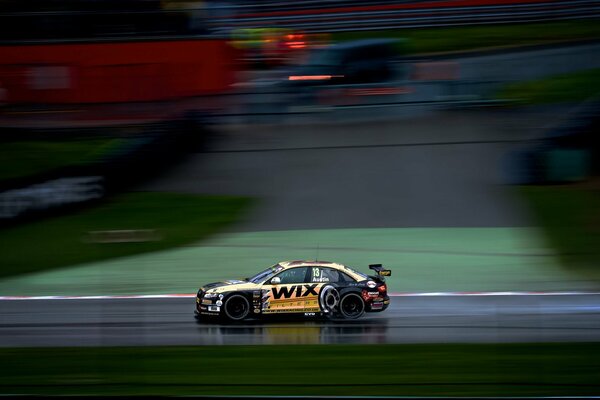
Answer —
406 173
435 319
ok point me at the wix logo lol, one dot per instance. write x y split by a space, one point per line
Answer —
297 290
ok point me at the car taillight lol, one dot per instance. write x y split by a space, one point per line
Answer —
382 289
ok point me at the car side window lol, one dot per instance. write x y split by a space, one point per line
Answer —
293 275
316 275
320 275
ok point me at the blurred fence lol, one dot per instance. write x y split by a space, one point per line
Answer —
354 16
361 101
248 6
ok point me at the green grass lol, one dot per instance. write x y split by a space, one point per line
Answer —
575 86
570 219
19 159
438 369
60 241
434 40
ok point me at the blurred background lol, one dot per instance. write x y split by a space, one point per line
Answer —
148 147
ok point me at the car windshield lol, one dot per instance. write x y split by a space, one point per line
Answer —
266 274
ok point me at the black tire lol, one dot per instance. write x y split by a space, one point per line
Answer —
351 306
236 307
329 298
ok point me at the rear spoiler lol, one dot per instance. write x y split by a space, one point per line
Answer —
380 270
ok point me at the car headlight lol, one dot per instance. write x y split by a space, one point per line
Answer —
210 295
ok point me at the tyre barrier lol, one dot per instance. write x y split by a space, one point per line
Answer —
152 148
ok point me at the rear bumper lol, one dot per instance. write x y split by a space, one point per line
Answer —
378 306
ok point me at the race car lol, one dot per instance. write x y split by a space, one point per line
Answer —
302 288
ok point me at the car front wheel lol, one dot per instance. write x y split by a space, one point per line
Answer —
236 307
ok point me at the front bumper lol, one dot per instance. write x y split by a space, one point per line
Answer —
207 307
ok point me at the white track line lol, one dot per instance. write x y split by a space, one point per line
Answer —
191 295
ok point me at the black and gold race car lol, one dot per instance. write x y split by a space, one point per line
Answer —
304 288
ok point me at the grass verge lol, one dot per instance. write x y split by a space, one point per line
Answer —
19 159
434 40
575 86
436 369
61 241
570 219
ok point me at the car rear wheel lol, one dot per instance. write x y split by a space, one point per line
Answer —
351 306
236 307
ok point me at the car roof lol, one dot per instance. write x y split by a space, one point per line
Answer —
328 264
308 263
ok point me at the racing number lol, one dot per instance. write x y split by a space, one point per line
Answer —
316 274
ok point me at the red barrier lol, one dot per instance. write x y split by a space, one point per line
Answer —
115 72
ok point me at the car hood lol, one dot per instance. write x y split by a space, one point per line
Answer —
229 286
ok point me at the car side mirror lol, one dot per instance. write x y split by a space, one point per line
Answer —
276 281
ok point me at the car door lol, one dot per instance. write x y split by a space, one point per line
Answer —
286 296
298 291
